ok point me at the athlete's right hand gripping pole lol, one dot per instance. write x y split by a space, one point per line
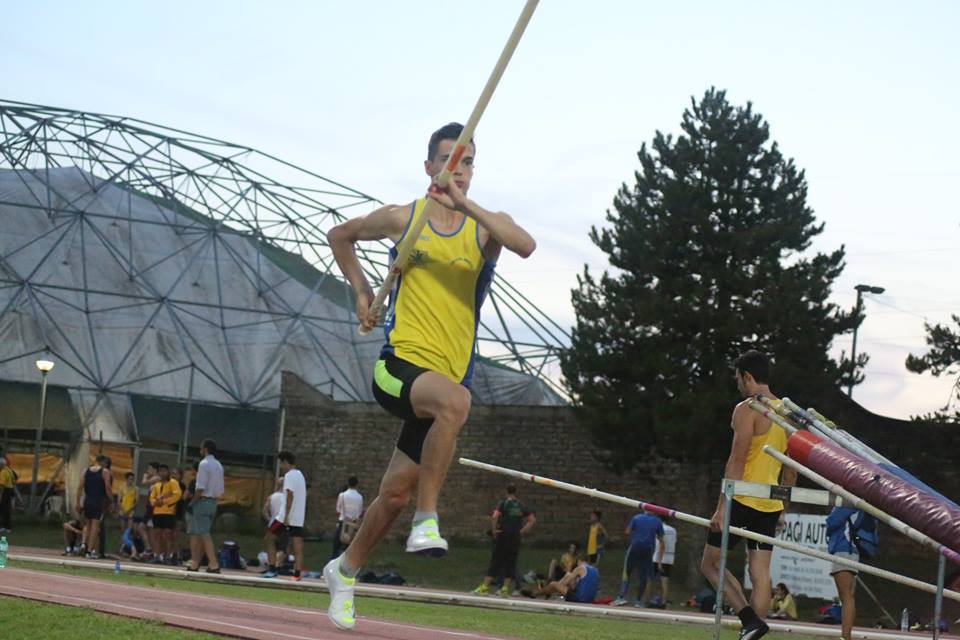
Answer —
406 245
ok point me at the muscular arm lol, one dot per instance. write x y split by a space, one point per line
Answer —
742 425
387 222
531 520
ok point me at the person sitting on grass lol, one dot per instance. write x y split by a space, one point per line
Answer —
783 606
72 537
132 543
579 585
566 563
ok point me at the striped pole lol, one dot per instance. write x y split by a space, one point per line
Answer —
862 504
413 234
703 522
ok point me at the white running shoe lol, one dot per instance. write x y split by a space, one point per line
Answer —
341 611
425 539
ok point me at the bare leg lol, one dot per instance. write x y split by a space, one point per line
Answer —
270 542
664 588
435 396
732 591
760 576
846 586
196 551
212 562
297 553
398 484
93 536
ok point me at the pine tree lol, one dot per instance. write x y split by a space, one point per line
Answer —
708 256
943 358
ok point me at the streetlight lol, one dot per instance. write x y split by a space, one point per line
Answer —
861 289
44 366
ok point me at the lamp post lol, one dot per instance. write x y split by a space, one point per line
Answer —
44 366
861 289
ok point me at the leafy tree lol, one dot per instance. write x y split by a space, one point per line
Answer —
708 251
943 358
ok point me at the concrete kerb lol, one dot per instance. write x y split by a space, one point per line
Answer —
428 596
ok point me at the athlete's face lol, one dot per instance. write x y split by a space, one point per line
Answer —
462 174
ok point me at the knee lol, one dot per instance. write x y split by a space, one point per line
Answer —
456 407
708 566
395 500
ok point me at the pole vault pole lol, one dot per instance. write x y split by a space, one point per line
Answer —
703 522
406 245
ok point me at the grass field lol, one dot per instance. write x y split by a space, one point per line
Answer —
530 626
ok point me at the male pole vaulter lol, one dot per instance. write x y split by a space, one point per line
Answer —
425 365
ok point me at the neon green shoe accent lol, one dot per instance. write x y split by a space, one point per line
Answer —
347 580
347 608
504 592
387 383
482 590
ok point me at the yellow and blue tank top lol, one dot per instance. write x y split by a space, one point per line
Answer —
434 309
763 468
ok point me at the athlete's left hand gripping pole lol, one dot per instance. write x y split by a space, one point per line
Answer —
406 245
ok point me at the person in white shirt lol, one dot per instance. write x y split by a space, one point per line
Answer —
203 508
276 543
294 508
667 546
349 512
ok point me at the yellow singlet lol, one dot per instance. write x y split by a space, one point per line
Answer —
435 309
763 468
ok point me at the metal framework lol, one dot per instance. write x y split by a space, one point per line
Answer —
235 214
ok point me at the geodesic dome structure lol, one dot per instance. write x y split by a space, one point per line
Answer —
153 261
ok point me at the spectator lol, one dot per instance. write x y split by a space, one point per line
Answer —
275 541
566 563
111 504
164 496
349 512
177 474
72 536
127 502
644 529
92 496
147 480
579 585
666 549
848 530
596 537
294 508
8 483
783 605
188 494
510 521
203 507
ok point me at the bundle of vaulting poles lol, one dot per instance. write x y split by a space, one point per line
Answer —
841 464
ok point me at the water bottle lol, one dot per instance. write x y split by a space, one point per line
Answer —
905 620
3 552
116 568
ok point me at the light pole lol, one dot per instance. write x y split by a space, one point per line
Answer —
861 289
44 366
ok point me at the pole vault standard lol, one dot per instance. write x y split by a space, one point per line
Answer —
703 522
406 245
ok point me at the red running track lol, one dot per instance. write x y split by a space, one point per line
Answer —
213 614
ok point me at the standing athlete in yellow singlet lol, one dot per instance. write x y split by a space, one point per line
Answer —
747 461
426 363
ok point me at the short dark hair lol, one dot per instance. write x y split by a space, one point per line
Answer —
155 465
352 481
784 587
450 131
756 364
511 488
161 467
574 543
598 513
210 446
128 475
287 457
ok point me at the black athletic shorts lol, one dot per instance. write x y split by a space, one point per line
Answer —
744 517
664 570
161 521
392 380
92 510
